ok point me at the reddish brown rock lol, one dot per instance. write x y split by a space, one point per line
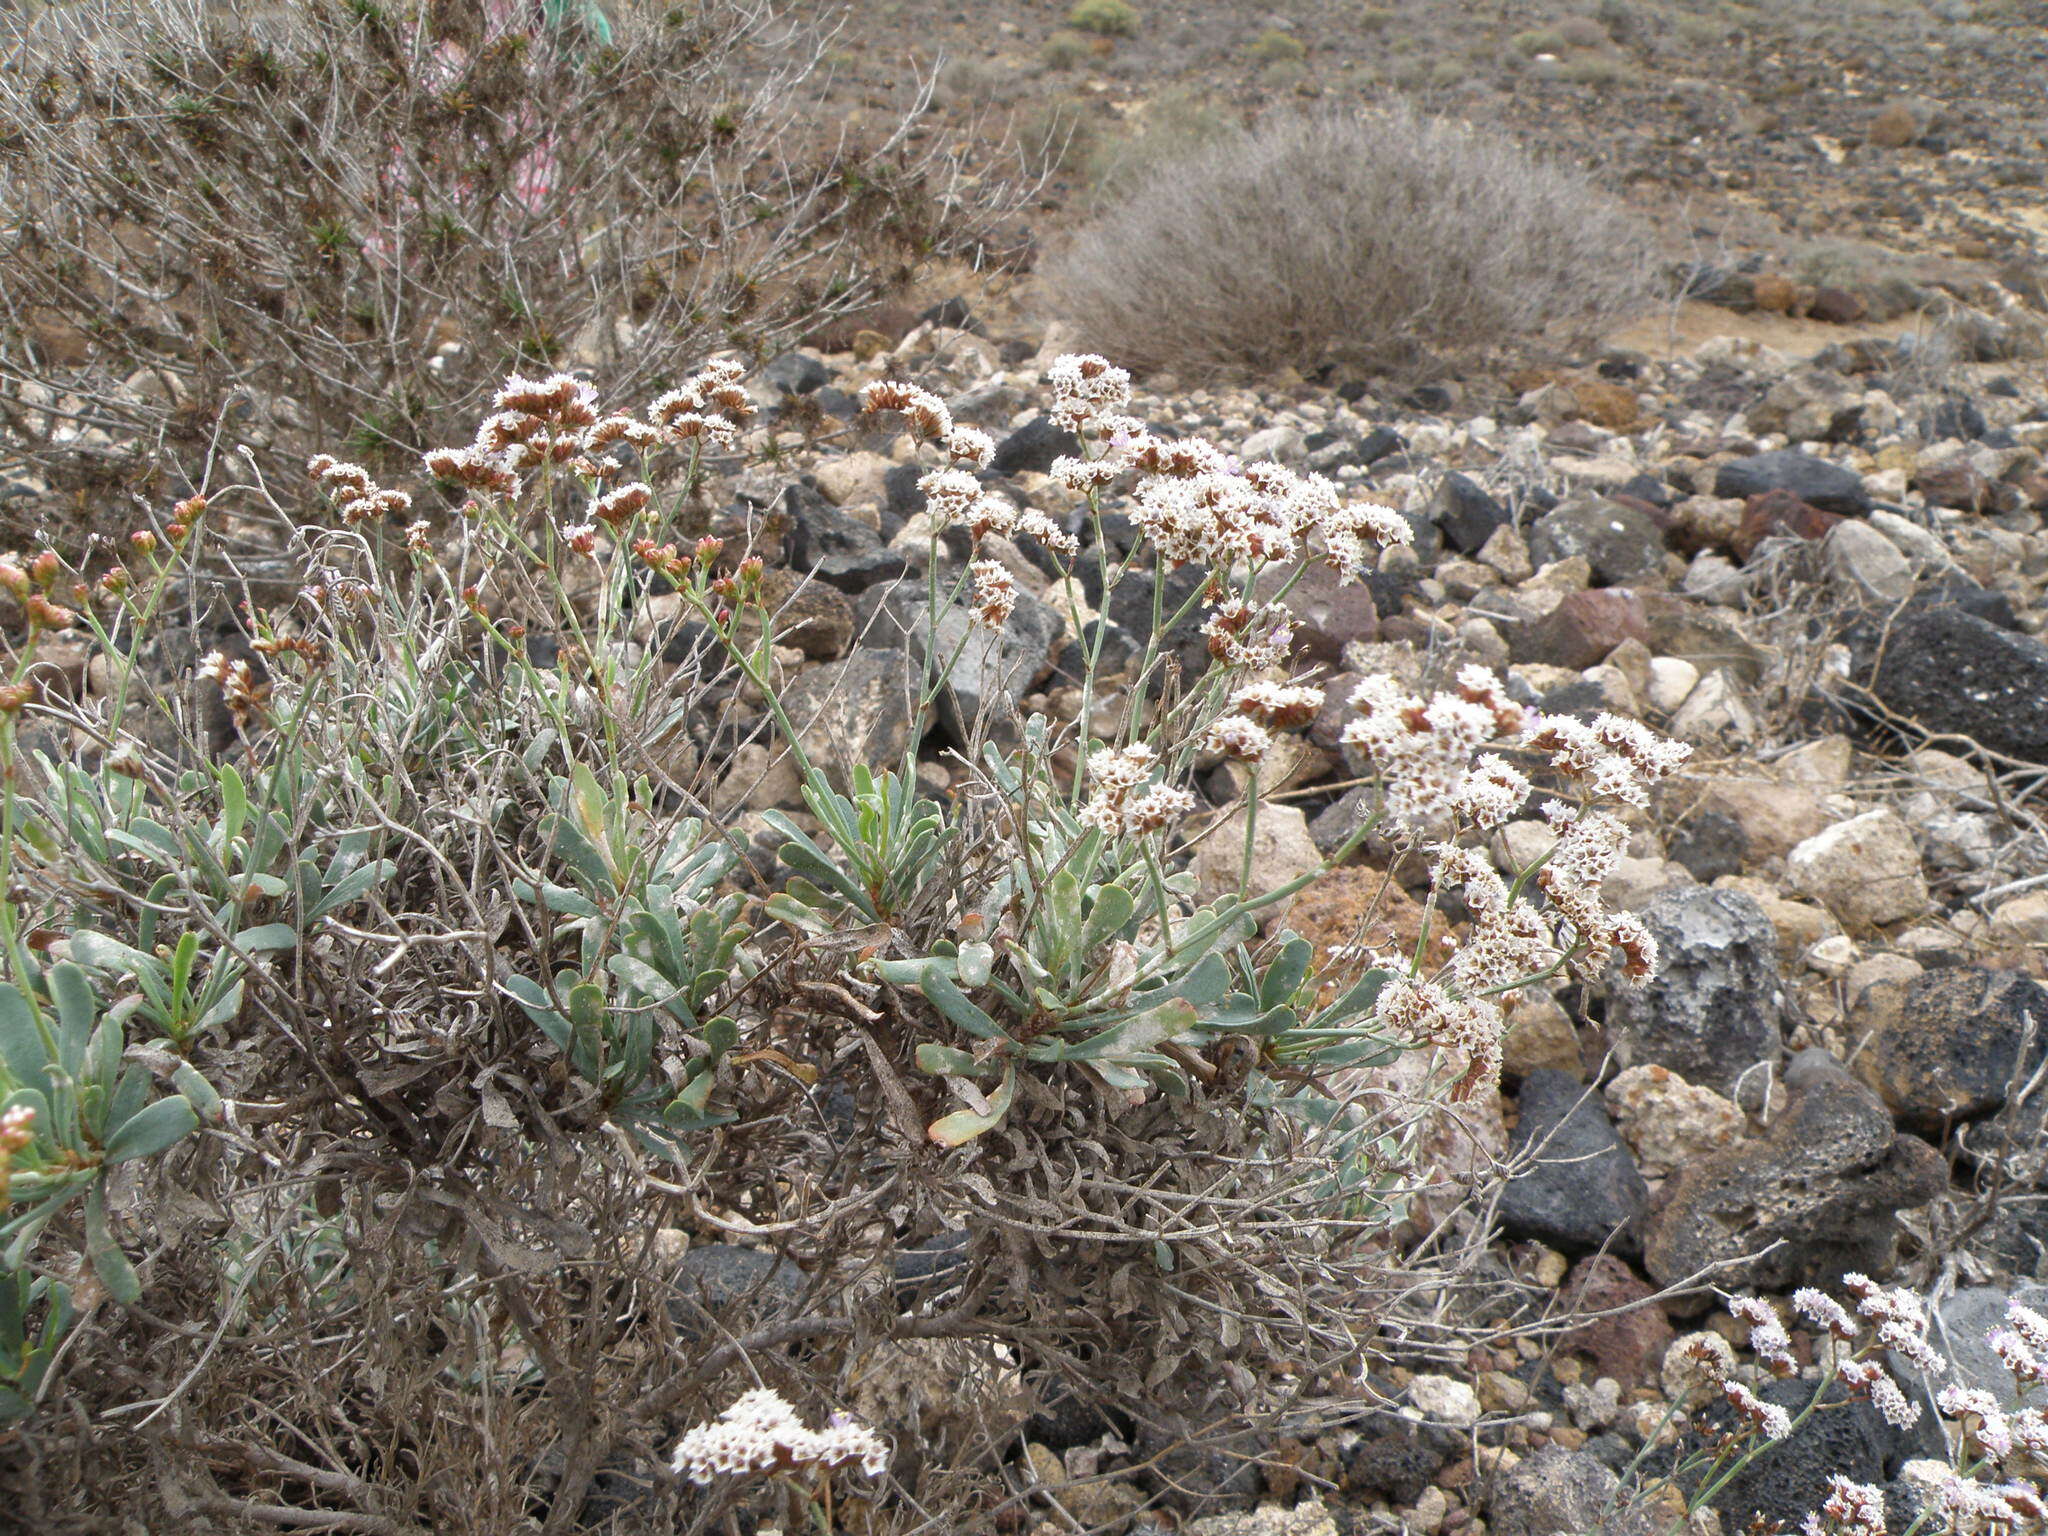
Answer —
1581 630
1954 485
1774 514
1359 906
1630 1345
1329 614
1837 306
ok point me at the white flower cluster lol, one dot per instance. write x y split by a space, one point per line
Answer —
1426 750
761 1433
1899 1320
1259 710
1116 803
1437 773
1852 1509
1825 1313
995 593
17 1128
1201 506
555 420
1768 1419
954 495
2006 1433
1768 1340
2008 1440
352 492
1197 504
712 405
1615 758
2022 1346
1086 391
2003 1508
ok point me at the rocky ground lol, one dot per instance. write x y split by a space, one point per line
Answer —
1827 574
1845 143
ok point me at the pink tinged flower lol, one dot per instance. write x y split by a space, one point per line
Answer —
1773 1422
2029 1325
1767 1336
1892 1405
1852 1509
1240 739
1824 1312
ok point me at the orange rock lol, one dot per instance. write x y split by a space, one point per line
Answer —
1357 909
1606 404
1774 292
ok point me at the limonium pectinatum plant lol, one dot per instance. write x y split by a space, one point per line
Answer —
1981 1469
436 870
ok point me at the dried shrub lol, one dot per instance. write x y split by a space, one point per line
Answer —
341 223
1383 241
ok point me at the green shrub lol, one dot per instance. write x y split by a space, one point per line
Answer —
1539 40
1275 46
1066 49
1597 69
1384 241
1107 18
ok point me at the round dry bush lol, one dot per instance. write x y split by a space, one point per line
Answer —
1385 241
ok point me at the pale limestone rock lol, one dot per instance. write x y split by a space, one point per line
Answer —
1668 1122
1865 870
2021 921
1672 680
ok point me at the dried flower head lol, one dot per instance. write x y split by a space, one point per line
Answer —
1278 706
1696 1366
17 1128
995 593
925 412
245 694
